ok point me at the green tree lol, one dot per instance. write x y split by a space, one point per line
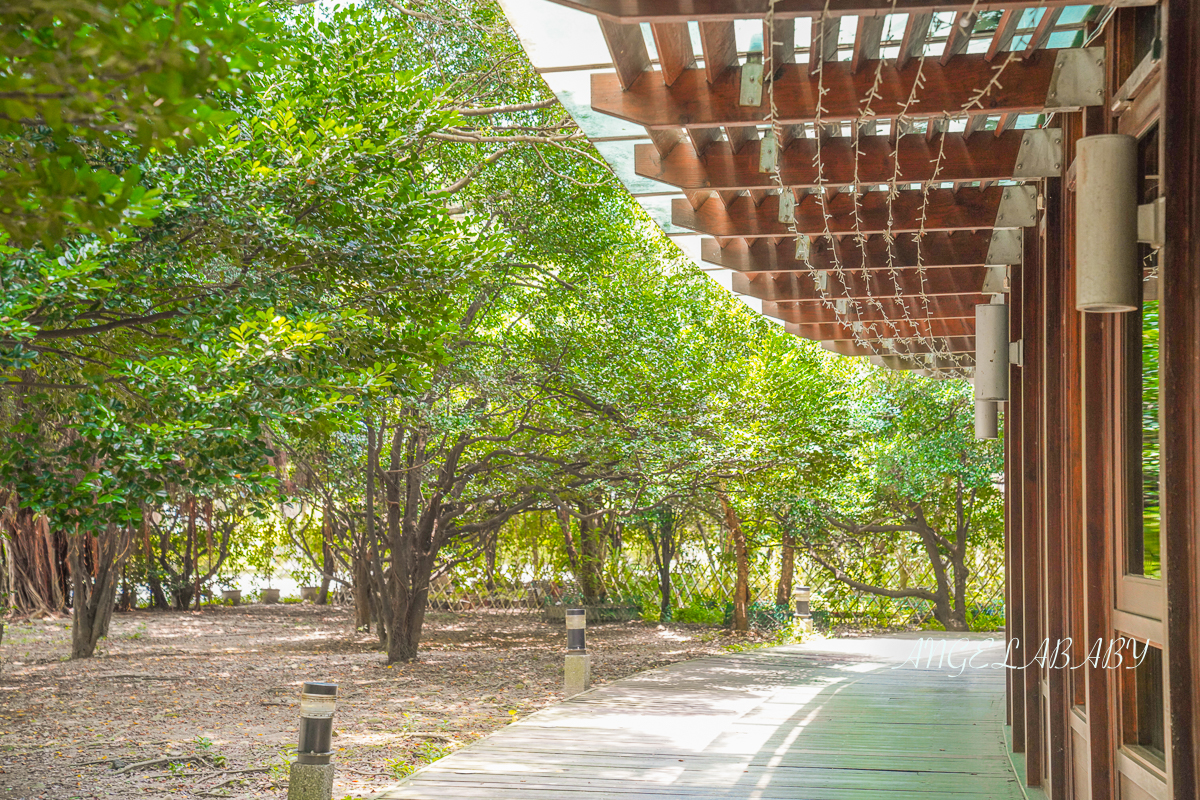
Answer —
920 482
88 90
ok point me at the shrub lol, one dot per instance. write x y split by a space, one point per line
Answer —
699 614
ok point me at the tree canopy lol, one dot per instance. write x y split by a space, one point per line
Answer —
357 259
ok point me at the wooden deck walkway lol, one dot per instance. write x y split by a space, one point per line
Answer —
841 720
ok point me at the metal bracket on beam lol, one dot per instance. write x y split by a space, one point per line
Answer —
787 205
752 84
996 281
1078 79
1040 155
1152 222
1018 207
821 280
1016 352
1005 248
768 152
803 247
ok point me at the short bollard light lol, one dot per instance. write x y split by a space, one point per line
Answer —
578 673
801 597
311 775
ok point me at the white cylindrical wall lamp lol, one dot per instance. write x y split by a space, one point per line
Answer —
991 352
986 419
1107 278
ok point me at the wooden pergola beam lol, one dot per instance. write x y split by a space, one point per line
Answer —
962 159
797 286
936 250
881 310
944 210
729 10
948 89
878 331
941 344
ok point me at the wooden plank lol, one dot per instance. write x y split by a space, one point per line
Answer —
944 210
961 160
665 139
782 45
1181 401
719 45
866 41
740 138
959 36
628 49
935 250
692 100
824 43
1003 35
797 286
729 10
1041 33
793 722
702 139
674 45
912 43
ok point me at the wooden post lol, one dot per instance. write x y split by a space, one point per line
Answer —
1055 303
1180 393
1014 550
1032 498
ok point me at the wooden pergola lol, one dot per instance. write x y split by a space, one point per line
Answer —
868 173
868 182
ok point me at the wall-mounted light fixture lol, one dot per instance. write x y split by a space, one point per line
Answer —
991 352
986 419
1107 273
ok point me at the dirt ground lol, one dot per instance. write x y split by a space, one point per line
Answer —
205 704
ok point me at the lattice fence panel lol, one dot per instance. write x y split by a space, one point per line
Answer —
703 581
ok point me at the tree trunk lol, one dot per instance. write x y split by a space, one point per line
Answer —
327 565
157 595
489 554
94 591
326 574
408 619
958 617
37 571
593 546
741 591
586 561
943 611
362 594
787 567
663 544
